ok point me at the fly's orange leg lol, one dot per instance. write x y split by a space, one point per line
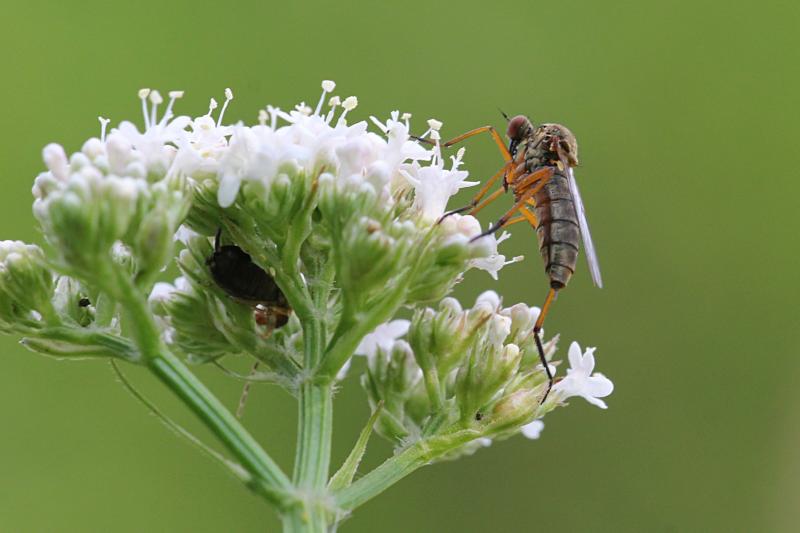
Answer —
477 198
492 197
530 217
521 218
540 176
536 329
496 136
525 181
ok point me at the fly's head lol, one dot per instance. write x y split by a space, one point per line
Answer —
519 129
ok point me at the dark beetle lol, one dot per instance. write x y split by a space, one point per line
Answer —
237 275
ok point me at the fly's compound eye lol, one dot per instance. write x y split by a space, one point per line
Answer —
516 127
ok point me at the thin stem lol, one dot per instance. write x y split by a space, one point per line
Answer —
276 486
354 326
235 469
396 468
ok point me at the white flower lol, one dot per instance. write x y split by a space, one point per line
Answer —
467 227
162 291
185 234
580 381
433 185
533 430
383 337
494 261
154 145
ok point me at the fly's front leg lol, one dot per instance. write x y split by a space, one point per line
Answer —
472 206
493 132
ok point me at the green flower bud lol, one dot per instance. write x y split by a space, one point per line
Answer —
441 268
515 410
204 214
26 286
487 369
194 328
368 256
153 241
439 338
87 216
394 379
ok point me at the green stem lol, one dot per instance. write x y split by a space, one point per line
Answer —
396 468
273 483
354 326
314 436
314 431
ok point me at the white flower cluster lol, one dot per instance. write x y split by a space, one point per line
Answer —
282 144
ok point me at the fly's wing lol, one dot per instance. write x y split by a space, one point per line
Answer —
591 256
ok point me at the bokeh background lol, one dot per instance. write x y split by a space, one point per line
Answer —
686 112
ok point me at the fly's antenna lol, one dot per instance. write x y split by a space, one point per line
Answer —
504 115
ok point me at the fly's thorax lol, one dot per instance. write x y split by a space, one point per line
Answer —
548 145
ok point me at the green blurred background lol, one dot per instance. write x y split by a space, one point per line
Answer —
686 114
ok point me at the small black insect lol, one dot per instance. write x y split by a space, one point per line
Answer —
478 416
236 274
84 302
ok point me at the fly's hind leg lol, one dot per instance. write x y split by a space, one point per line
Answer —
538 328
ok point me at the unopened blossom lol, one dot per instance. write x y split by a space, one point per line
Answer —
580 381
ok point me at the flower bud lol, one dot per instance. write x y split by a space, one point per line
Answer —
486 370
522 317
394 378
195 333
26 285
56 160
154 245
515 410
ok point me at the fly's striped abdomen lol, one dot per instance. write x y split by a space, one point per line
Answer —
558 231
